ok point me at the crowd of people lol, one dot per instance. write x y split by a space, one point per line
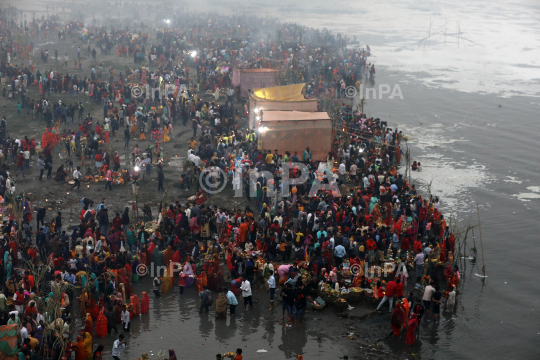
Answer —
352 211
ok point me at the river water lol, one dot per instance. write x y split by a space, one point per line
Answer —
173 322
469 72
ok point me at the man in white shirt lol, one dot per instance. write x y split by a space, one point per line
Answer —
220 217
352 172
73 264
99 244
26 155
125 318
196 160
246 293
342 171
24 332
428 293
118 344
272 286
77 178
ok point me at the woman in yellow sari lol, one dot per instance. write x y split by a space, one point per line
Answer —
166 137
83 299
88 345
133 121
166 283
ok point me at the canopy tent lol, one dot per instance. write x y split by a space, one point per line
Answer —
288 97
280 93
294 131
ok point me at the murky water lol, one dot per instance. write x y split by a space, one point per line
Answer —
174 323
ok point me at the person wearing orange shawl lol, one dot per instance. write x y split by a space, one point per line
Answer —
145 303
375 213
83 299
243 232
80 354
167 256
407 308
130 310
202 281
397 225
397 319
89 324
135 303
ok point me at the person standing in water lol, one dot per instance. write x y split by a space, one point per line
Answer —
118 344
157 287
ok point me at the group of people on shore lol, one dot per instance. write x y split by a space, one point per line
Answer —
354 208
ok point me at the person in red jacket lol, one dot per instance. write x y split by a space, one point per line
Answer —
117 222
399 289
391 288
20 164
371 246
417 246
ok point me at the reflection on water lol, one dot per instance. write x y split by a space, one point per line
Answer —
174 323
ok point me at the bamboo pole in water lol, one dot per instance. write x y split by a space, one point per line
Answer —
481 245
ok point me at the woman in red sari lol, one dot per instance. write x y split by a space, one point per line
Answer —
129 272
88 324
176 257
411 330
145 303
397 225
150 250
97 309
101 324
229 258
398 319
